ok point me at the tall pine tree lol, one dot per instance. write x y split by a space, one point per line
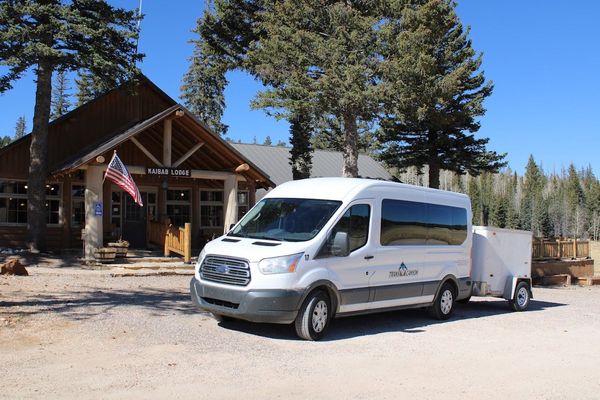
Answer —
51 35
204 83
434 93
20 128
301 151
60 95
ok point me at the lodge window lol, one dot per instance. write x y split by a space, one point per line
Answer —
77 205
211 208
410 223
13 203
179 206
242 204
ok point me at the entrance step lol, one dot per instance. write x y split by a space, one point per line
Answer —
589 281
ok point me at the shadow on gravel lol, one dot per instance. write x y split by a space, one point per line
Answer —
411 321
84 305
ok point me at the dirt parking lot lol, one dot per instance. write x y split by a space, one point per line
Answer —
84 334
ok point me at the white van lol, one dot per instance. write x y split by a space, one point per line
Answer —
316 249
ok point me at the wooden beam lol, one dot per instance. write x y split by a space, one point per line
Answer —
188 154
146 152
167 137
242 168
178 114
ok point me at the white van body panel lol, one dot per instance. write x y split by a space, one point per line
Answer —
374 276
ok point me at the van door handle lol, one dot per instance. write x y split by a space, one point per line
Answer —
369 257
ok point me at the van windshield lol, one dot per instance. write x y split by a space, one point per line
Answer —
293 220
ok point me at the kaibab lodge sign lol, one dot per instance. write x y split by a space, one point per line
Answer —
177 172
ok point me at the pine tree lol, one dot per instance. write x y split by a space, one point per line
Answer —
434 94
575 203
5 141
301 151
91 86
204 83
20 128
60 95
474 193
532 204
60 35
268 141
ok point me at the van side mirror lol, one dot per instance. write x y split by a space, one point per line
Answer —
340 245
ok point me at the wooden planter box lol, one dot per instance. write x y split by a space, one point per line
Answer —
105 254
120 249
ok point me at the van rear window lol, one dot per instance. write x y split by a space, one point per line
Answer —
410 223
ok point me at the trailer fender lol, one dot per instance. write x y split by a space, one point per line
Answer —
511 285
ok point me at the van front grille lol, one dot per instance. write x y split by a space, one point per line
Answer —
232 271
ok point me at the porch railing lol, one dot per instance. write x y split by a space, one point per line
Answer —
172 238
557 249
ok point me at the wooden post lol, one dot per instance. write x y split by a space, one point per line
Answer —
559 244
167 135
187 243
574 247
167 237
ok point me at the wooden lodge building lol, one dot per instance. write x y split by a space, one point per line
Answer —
184 171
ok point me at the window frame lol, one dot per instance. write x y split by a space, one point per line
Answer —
58 197
211 203
427 224
188 203
330 231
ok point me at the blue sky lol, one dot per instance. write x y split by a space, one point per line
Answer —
542 56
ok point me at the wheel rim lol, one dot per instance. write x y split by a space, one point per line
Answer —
522 297
446 302
319 316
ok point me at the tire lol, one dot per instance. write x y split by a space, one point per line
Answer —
522 297
464 301
443 305
314 316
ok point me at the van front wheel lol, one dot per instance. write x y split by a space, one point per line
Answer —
443 306
314 316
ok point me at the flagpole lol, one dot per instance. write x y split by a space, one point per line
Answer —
111 160
139 16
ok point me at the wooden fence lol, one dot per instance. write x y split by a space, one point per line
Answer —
557 249
172 238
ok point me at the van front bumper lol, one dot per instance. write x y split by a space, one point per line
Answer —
261 305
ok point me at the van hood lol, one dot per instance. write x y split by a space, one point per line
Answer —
251 249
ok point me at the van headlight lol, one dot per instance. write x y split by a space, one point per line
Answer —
279 265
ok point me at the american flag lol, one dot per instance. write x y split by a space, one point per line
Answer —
117 172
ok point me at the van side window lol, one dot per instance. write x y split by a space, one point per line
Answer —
410 223
355 223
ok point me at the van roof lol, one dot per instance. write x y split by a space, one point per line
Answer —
341 188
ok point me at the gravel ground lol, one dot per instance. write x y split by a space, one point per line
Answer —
72 333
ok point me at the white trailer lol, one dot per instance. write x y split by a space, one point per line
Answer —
501 264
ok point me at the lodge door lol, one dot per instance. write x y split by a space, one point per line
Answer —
134 221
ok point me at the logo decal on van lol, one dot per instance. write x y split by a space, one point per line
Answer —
403 271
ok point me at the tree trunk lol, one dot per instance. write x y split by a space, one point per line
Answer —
301 151
350 150
38 166
434 167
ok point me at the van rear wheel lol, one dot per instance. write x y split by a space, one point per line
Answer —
443 306
314 316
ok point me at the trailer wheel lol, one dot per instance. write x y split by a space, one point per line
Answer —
314 316
443 305
521 299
